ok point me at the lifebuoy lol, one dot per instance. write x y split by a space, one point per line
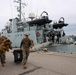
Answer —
38 34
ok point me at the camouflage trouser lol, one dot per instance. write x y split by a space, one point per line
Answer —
25 52
2 58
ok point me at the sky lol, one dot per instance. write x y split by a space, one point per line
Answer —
55 9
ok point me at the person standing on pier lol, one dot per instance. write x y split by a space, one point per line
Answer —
5 45
25 45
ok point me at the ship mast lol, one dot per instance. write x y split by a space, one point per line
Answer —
19 8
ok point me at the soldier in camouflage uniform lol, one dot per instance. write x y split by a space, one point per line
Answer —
25 45
5 44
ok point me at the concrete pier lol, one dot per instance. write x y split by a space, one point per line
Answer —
41 63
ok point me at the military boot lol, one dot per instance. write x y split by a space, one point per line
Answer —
2 64
24 65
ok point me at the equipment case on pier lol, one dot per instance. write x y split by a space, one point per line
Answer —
17 55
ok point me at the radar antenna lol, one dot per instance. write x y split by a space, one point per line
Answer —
19 7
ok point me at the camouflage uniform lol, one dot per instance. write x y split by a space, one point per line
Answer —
32 43
2 58
4 46
25 44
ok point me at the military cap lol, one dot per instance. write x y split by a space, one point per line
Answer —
26 34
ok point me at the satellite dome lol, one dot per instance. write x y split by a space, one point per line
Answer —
31 15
